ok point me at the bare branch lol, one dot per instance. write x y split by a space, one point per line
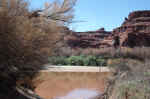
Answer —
57 11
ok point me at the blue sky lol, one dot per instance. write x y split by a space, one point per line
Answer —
95 14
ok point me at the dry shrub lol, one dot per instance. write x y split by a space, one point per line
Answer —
58 12
124 52
107 52
131 90
100 52
130 79
25 42
134 53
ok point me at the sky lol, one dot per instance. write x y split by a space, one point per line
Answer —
94 14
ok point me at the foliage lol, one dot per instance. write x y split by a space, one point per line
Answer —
136 53
81 60
75 60
25 42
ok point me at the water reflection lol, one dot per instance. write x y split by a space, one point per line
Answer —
81 94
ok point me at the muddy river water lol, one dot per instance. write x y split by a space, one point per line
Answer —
81 94
66 85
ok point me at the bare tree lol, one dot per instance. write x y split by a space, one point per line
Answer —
59 12
26 42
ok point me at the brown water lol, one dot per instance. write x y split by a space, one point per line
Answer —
81 94
50 84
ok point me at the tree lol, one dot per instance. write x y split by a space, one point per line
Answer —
25 41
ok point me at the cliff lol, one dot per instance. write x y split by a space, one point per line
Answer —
89 39
135 31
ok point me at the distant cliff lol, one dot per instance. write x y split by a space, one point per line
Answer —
89 39
135 31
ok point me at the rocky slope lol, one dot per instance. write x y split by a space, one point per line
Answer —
135 31
89 39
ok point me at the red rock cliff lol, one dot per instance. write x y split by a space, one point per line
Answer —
135 30
89 39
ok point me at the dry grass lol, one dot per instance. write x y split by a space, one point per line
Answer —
130 80
140 53
131 90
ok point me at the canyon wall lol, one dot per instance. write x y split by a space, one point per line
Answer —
135 31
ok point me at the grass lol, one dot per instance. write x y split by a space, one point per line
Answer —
131 75
139 53
133 90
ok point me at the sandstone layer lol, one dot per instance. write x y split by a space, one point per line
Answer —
134 32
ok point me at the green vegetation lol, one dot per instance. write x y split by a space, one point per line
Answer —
100 57
81 60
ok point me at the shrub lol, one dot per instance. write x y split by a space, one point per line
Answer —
131 53
75 60
26 42
57 60
81 60
133 90
130 79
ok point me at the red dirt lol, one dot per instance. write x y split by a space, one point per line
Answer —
59 84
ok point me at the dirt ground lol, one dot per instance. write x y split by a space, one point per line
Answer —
52 84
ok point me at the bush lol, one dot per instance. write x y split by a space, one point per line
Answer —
75 60
136 53
130 79
133 90
57 60
25 41
81 60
